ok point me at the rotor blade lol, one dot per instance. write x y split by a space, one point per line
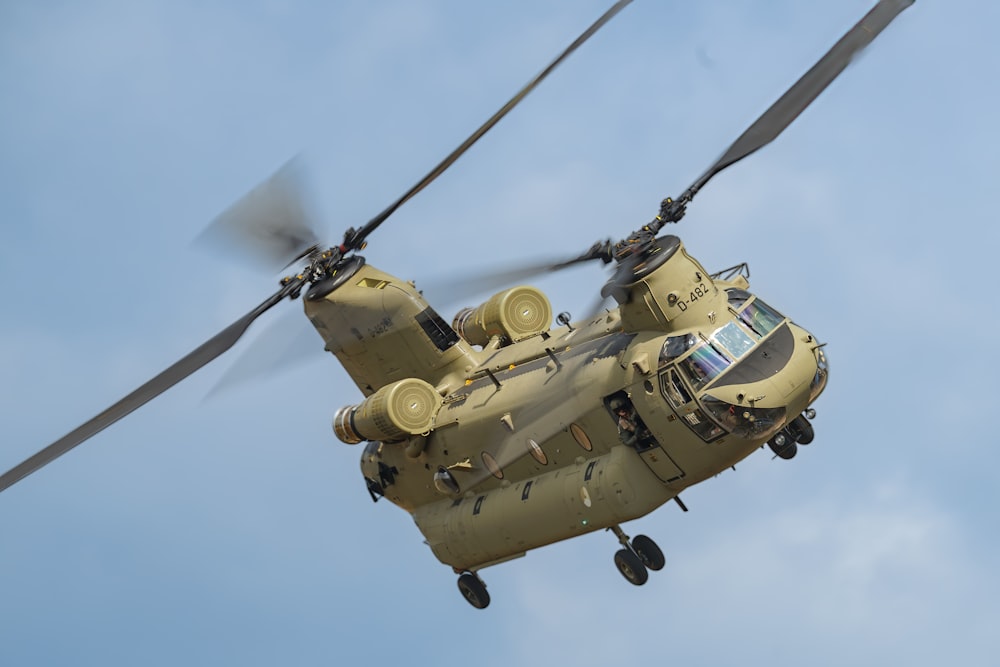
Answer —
533 424
286 342
781 114
271 224
597 307
356 238
168 378
536 424
452 289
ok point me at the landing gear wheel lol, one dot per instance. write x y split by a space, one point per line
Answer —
648 552
802 430
474 591
631 567
783 446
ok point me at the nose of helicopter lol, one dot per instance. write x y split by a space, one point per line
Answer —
771 386
804 376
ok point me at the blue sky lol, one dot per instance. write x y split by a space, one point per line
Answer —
236 529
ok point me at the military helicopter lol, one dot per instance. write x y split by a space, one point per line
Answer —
501 433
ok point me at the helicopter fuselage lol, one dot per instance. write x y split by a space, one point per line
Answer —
502 434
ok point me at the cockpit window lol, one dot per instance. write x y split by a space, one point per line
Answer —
675 346
677 394
674 389
733 340
760 317
703 365
737 297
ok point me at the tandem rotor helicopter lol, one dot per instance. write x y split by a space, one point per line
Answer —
500 432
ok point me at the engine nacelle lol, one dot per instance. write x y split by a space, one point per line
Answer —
394 412
512 315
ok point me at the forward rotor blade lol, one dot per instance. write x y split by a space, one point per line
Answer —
356 238
788 107
271 225
450 290
540 423
168 378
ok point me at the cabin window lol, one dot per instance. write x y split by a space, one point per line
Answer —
442 335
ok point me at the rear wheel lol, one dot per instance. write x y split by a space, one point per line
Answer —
631 567
648 552
474 591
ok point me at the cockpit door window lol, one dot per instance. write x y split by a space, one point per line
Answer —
685 407
674 389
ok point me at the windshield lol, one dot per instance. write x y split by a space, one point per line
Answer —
733 340
702 361
703 365
760 317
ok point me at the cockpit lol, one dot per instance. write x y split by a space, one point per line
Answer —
702 357
751 346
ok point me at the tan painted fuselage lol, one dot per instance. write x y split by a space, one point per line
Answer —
511 444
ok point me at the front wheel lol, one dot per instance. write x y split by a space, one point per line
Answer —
631 567
803 430
783 446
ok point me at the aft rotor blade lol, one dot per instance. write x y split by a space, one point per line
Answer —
535 424
168 378
271 225
781 114
356 238
283 344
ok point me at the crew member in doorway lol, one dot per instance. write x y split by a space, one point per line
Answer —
628 427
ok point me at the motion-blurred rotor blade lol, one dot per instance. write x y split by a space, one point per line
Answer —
453 289
601 250
597 307
534 425
286 342
272 224
781 114
531 427
355 238
168 378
